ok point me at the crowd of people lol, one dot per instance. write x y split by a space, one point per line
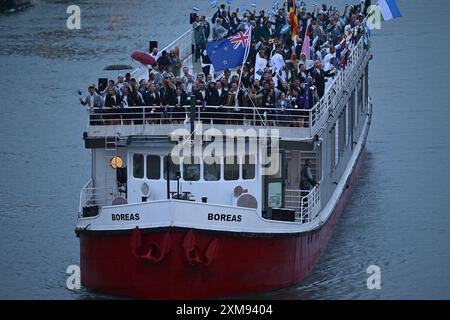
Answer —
279 76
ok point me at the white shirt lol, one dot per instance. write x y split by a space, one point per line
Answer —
143 72
260 65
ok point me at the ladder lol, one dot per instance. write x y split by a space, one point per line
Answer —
110 151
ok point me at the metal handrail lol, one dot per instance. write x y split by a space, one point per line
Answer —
83 196
184 44
151 115
306 203
90 196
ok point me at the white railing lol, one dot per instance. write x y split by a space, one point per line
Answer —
157 115
305 203
184 45
328 102
91 197
84 196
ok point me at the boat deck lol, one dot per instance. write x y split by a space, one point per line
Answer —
296 124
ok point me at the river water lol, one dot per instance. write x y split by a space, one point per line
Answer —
398 216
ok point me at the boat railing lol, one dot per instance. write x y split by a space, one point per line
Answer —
329 101
230 115
183 43
305 203
91 197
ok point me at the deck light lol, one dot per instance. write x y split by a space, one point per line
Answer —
116 162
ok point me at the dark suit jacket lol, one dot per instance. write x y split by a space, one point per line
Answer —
183 101
167 96
214 99
109 101
199 96
269 100
319 80
151 100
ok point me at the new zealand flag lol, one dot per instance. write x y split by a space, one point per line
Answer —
230 52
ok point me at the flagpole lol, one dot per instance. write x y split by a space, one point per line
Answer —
369 14
247 51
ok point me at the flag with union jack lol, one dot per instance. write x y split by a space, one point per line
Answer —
230 52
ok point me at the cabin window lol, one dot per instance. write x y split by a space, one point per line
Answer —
153 167
336 144
342 134
366 86
332 148
191 169
211 170
138 166
249 167
174 168
275 195
347 128
231 168
361 94
355 109
275 163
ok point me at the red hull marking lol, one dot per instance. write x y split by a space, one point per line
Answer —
243 264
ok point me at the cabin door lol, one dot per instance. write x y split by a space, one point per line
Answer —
274 187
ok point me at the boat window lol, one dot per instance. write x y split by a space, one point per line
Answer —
276 163
342 135
248 167
191 169
275 195
153 168
211 170
361 93
347 125
174 167
138 166
231 168
333 149
366 85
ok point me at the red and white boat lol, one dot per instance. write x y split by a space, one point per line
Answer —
226 228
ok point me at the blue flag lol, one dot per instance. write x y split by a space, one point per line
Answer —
389 9
306 95
230 52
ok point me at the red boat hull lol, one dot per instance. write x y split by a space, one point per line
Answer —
193 264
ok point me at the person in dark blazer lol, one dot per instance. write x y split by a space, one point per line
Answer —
202 94
167 94
217 98
112 99
217 95
152 98
319 77
128 99
296 102
268 102
178 111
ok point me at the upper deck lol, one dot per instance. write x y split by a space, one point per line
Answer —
293 124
